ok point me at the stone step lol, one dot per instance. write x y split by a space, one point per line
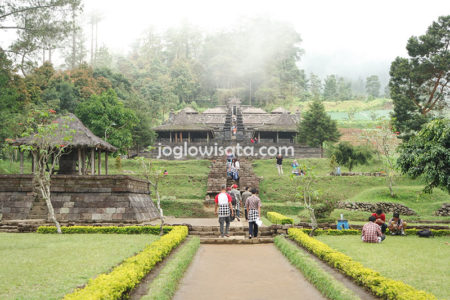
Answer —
235 240
9 230
7 227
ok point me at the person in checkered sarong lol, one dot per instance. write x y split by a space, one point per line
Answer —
253 205
223 210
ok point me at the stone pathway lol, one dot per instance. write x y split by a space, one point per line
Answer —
243 272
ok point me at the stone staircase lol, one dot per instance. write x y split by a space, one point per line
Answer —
217 176
247 178
238 235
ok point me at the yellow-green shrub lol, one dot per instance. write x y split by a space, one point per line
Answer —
105 229
128 274
379 285
277 218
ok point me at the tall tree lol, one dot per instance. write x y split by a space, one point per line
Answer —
330 88
419 84
315 86
317 127
350 156
40 25
427 154
343 89
373 86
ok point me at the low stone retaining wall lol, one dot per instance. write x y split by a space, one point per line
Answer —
376 174
109 198
444 210
372 207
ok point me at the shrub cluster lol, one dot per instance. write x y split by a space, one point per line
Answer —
379 285
277 218
105 229
123 278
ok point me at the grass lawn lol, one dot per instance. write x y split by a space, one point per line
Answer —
422 263
39 266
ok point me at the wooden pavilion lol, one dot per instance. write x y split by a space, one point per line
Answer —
82 155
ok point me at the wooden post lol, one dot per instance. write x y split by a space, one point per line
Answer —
259 136
93 161
106 162
80 162
189 137
99 161
277 136
83 158
33 163
181 137
170 132
207 136
176 137
21 162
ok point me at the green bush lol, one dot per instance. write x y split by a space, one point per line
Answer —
277 218
105 229
127 275
165 284
380 286
323 281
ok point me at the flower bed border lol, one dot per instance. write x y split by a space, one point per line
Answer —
277 218
124 277
379 285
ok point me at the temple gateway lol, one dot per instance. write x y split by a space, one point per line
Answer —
230 122
230 125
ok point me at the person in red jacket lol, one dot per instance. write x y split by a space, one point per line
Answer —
380 219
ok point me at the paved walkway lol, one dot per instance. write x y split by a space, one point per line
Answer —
243 272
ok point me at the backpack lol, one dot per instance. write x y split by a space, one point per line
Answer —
233 198
424 233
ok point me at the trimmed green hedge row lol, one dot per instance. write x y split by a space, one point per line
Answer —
277 218
123 278
106 229
380 286
322 280
164 286
412 231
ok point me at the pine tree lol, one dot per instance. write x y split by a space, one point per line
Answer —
317 127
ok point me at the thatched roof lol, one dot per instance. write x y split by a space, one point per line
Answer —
81 137
216 110
280 110
253 110
189 110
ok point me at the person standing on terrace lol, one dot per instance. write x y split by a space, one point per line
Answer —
253 205
225 209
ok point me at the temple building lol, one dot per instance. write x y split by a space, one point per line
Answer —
230 122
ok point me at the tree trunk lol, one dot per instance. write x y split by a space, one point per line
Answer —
44 187
161 215
313 221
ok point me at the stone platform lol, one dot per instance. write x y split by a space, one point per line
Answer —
79 199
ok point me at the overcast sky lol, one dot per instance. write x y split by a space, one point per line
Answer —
351 37
354 38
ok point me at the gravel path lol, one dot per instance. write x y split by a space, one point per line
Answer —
257 271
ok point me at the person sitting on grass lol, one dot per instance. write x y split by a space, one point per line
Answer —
294 166
380 219
396 225
371 232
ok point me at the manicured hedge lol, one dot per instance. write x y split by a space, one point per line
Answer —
123 278
333 231
412 231
277 218
380 286
322 280
164 286
105 229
